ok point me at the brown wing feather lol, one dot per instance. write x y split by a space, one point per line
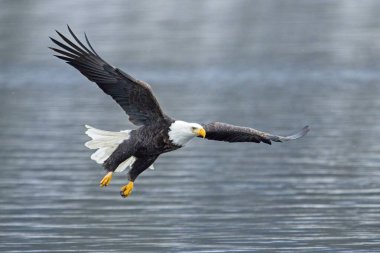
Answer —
134 96
225 132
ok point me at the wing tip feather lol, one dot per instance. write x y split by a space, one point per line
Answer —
298 134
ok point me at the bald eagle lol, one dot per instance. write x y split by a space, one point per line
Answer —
157 133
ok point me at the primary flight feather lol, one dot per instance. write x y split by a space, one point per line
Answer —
158 133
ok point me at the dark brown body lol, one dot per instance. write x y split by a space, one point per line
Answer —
146 144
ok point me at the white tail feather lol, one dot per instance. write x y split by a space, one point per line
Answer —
106 143
127 163
102 154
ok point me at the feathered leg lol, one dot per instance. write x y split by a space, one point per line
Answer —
141 164
123 152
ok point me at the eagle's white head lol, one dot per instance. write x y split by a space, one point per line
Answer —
180 132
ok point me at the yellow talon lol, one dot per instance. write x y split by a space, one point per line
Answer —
126 190
106 179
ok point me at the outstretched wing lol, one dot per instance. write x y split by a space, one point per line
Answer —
225 132
134 96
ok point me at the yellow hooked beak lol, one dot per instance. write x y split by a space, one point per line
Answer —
201 132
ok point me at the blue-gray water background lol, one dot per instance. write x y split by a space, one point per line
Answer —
272 65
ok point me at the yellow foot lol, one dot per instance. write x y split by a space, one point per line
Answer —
126 190
106 179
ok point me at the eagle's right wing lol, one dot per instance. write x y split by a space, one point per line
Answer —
225 132
134 96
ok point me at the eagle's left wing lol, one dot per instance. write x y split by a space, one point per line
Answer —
134 96
225 132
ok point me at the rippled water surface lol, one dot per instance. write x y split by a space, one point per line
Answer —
272 65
